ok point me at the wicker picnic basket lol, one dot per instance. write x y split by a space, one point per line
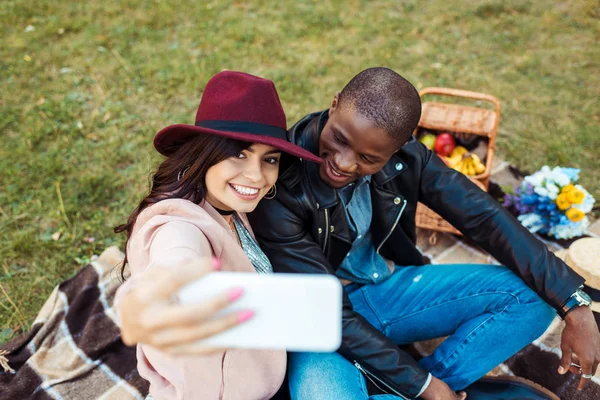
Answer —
458 118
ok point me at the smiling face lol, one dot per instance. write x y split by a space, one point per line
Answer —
352 147
240 182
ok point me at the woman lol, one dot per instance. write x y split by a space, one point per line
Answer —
193 222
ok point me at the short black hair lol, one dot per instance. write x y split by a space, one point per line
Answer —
386 99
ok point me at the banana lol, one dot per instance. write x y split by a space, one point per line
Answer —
470 168
479 167
456 157
454 161
464 162
467 166
458 151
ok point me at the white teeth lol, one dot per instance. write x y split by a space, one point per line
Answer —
333 172
244 190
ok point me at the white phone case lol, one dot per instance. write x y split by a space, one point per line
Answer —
296 312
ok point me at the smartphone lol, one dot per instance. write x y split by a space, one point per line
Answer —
295 312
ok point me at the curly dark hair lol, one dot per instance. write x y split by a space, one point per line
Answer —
386 99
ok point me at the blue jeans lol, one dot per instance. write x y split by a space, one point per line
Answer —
487 311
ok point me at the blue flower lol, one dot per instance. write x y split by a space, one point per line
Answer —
528 188
529 199
572 173
535 201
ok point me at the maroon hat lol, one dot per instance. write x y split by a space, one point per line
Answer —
239 106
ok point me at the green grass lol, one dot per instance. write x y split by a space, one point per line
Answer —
83 93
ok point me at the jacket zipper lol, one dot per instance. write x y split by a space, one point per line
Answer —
222 391
326 229
376 381
393 226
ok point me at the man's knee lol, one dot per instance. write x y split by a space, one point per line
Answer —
528 307
544 314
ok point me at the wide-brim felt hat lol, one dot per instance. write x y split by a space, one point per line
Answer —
583 256
238 106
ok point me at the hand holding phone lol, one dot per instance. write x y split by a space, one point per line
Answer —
150 315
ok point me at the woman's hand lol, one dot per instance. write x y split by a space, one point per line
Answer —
151 313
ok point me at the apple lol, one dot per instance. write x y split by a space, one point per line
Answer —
444 144
428 140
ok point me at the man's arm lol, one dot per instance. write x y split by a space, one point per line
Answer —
281 231
491 226
484 220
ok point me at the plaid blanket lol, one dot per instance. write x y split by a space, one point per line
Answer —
74 349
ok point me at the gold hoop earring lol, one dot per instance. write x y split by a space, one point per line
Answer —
270 196
181 174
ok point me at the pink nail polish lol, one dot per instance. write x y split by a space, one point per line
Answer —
216 264
244 316
235 293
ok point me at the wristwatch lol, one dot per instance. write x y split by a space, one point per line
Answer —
579 298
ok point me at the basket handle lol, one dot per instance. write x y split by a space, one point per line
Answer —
462 93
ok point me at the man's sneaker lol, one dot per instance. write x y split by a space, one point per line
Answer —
508 388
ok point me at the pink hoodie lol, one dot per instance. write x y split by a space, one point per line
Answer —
166 234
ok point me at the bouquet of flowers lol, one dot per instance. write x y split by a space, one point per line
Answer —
550 202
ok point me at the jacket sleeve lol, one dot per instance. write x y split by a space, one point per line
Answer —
484 220
281 229
174 377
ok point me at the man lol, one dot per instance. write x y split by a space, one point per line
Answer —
354 216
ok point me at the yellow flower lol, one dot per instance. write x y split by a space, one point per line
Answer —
567 188
575 196
562 201
575 214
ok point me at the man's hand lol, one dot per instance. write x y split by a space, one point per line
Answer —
580 344
438 390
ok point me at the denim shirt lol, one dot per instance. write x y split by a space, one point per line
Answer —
362 264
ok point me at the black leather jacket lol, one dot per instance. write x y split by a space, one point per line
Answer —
304 229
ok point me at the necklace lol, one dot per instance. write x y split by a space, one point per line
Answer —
234 230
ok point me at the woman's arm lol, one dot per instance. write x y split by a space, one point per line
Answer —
179 253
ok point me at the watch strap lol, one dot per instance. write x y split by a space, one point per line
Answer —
579 298
571 304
